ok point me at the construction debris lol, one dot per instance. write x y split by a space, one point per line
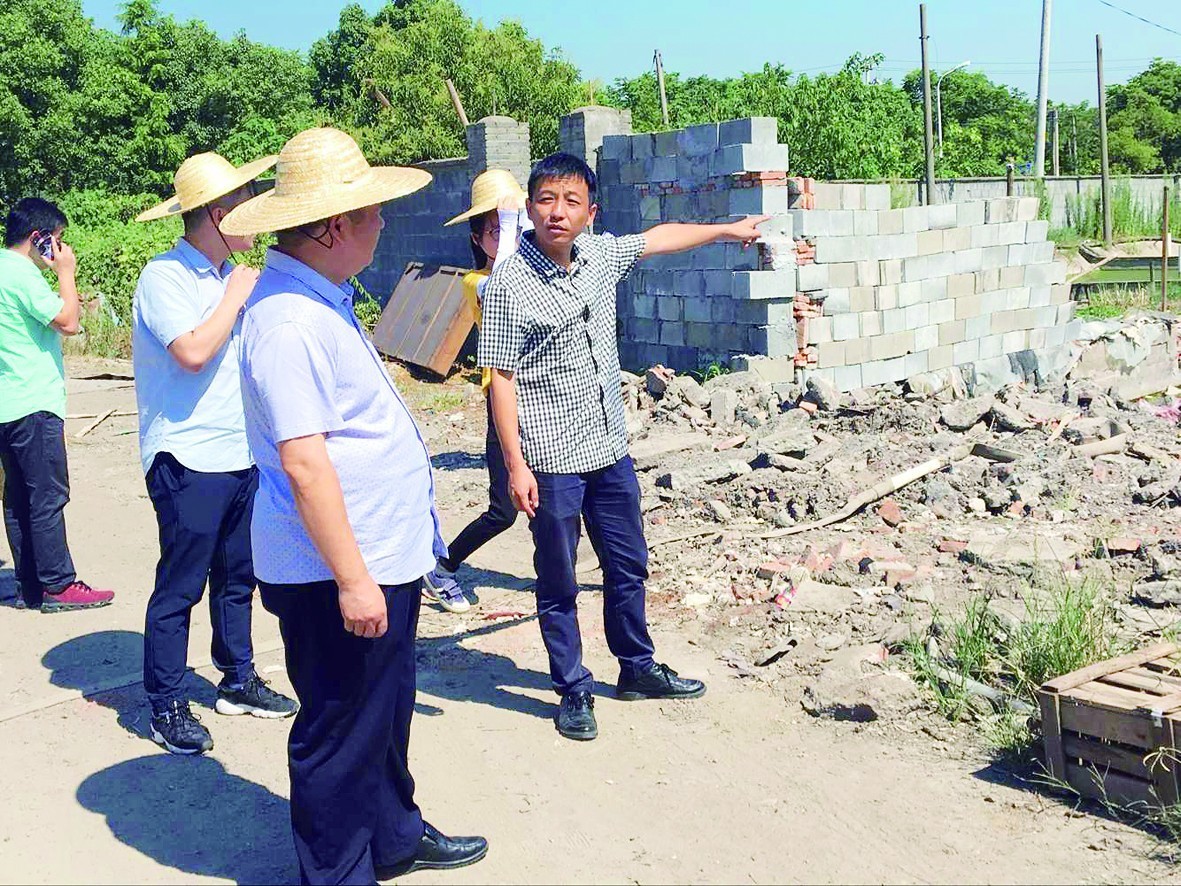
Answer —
798 522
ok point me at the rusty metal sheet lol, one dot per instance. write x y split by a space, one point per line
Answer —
427 319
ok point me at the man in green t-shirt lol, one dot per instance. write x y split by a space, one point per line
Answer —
33 318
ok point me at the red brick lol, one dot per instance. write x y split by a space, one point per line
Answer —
952 546
1124 545
890 512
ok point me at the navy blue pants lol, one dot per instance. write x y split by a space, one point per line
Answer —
608 501
352 796
204 521
500 514
36 490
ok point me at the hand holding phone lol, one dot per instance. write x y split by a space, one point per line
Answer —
60 257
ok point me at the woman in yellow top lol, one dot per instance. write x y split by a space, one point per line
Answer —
497 218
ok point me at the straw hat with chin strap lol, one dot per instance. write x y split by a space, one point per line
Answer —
488 189
202 179
321 173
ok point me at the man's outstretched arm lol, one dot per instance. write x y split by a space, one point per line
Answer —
676 237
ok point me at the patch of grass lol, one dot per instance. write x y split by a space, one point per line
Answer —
104 333
1068 627
1114 301
1066 238
1068 624
713 369
1131 218
443 401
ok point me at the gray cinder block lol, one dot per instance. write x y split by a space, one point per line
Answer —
749 131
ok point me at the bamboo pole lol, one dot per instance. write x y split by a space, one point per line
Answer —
457 102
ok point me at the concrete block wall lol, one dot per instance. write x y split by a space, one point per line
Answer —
891 294
710 304
414 225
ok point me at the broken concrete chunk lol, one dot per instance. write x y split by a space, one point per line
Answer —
823 393
719 510
1158 593
687 387
1024 548
1006 418
787 442
963 415
844 691
723 403
777 461
704 472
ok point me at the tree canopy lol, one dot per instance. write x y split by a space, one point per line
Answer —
87 109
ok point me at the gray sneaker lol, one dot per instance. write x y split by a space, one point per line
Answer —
441 588
178 730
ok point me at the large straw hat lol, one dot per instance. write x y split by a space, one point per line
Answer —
487 190
321 173
202 179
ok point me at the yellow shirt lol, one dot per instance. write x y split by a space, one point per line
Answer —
471 291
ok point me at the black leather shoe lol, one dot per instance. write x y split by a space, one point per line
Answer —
438 852
576 717
659 682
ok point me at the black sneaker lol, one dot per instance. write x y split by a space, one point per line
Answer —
576 716
256 699
660 681
179 731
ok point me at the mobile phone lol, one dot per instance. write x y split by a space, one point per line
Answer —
44 244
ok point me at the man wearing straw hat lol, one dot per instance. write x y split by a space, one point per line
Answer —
344 523
196 460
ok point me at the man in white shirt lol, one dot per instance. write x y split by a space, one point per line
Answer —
196 459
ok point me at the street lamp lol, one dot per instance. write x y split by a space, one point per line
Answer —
939 101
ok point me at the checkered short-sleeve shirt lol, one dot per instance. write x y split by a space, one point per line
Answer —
555 330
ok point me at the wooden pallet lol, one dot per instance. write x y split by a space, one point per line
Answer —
1112 730
427 319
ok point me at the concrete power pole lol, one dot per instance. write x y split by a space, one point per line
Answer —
928 134
1104 168
1043 89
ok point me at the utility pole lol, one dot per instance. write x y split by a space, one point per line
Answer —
1054 143
1104 170
660 82
1074 142
928 134
1043 88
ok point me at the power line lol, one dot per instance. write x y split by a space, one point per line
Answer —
1139 17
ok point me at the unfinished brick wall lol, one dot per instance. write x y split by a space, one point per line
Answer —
888 294
687 310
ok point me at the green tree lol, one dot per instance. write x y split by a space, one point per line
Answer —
385 79
1144 120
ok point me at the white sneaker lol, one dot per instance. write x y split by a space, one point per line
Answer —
441 588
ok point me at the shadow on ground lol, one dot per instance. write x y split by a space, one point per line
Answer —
107 667
192 815
448 669
456 461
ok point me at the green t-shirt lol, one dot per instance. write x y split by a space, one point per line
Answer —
32 378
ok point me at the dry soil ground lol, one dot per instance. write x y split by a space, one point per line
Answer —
736 787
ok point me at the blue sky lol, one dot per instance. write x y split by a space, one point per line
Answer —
615 38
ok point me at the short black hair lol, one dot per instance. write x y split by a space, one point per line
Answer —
559 166
29 215
476 223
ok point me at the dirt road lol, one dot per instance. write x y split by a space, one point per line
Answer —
741 786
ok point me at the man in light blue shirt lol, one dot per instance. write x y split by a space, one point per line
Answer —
195 455
344 523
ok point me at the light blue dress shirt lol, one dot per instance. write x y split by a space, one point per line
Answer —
309 368
195 416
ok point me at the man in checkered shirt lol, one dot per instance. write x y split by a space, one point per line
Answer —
549 336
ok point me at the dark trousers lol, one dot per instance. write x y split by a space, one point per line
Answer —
204 521
36 490
500 514
352 796
608 501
